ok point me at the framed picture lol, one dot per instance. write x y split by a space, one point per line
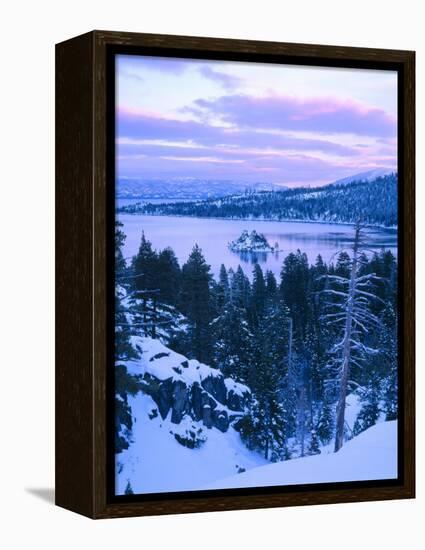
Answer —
235 274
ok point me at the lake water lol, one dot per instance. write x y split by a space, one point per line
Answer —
213 236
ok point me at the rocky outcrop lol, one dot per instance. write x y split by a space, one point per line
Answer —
208 402
215 386
189 389
220 420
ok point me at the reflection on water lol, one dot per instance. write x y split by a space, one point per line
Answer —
214 235
321 242
253 257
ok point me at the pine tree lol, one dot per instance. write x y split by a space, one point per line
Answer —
318 274
223 288
289 380
240 289
123 348
168 276
271 284
325 426
264 427
124 351
286 453
369 413
120 264
302 407
383 264
123 328
145 266
319 266
294 287
128 489
315 359
390 405
388 362
314 447
232 342
343 265
258 294
195 303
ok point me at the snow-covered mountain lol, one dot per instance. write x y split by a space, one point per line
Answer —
186 188
369 175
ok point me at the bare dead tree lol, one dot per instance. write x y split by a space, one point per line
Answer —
352 313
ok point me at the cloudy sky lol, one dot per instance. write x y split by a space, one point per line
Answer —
252 122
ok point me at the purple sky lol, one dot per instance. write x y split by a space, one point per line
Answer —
252 122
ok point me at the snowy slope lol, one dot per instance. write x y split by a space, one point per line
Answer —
156 462
369 175
370 455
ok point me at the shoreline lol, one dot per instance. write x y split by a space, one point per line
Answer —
392 228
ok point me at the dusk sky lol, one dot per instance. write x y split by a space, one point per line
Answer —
252 122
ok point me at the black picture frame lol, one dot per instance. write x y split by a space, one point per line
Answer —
85 213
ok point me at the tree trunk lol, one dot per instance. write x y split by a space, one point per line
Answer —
346 349
145 319
302 419
154 318
290 330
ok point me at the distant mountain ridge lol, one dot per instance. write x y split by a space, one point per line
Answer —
186 188
373 202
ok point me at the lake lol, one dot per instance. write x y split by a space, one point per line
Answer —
213 236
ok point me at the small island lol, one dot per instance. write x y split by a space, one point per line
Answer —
251 242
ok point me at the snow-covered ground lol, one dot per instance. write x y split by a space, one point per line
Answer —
371 455
156 462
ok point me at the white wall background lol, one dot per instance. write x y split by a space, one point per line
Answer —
29 31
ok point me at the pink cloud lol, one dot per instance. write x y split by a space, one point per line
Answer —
321 115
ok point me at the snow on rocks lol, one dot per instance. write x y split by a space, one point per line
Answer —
188 433
186 387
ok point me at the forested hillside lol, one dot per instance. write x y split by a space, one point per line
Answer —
371 202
